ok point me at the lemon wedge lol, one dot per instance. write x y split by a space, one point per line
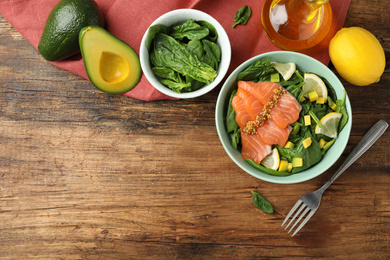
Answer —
330 125
272 161
313 82
285 69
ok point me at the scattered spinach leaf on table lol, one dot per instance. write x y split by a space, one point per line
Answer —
242 16
262 203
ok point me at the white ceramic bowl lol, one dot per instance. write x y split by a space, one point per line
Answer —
177 17
305 64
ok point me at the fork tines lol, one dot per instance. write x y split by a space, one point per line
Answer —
304 215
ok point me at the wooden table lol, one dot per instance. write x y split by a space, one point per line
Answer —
88 175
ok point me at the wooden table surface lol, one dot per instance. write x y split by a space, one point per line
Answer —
88 175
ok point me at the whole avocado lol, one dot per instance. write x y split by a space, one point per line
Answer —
59 39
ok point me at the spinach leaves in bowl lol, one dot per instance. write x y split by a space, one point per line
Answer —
185 57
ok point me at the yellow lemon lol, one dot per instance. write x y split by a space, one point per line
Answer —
357 56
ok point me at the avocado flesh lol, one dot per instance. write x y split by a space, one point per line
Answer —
60 35
111 64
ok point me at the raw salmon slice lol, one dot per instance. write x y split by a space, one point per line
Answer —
286 111
253 148
263 91
252 105
242 117
271 134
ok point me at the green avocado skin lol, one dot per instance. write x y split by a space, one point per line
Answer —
60 35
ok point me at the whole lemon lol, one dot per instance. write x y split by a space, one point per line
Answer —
357 56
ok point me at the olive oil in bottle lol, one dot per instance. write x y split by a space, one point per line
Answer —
296 24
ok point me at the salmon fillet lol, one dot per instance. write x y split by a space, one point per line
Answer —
263 91
242 117
286 112
253 148
251 100
271 134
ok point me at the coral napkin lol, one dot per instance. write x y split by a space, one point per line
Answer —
129 19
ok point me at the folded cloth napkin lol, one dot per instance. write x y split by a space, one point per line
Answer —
128 20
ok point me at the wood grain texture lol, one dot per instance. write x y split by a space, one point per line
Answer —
88 175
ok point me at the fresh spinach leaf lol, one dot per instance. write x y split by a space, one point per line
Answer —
212 54
195 85
190 30
310 155
213 34
259 70
242 16
153 31
262 203
235 137
296 90
341 108
176 86
287 153
231 123
167 73
196 47
331 91
171 54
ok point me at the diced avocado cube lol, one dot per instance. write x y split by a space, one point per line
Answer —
283 166
307 119
307 142
297 162
313 96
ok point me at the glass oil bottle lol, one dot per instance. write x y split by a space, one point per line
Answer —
296 24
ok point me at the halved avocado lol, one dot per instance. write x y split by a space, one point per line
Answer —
111 64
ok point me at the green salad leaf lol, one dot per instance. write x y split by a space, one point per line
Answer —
242 16
231 123
190 30
153 31
262 203
341 108
260 70
213 33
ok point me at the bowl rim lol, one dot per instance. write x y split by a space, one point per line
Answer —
222 39
330 157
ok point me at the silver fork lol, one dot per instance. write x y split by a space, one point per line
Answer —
310 202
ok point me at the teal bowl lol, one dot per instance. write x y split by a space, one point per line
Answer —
304 63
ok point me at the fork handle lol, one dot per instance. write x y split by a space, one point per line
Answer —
367 141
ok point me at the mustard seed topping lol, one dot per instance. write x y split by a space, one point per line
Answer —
251 126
